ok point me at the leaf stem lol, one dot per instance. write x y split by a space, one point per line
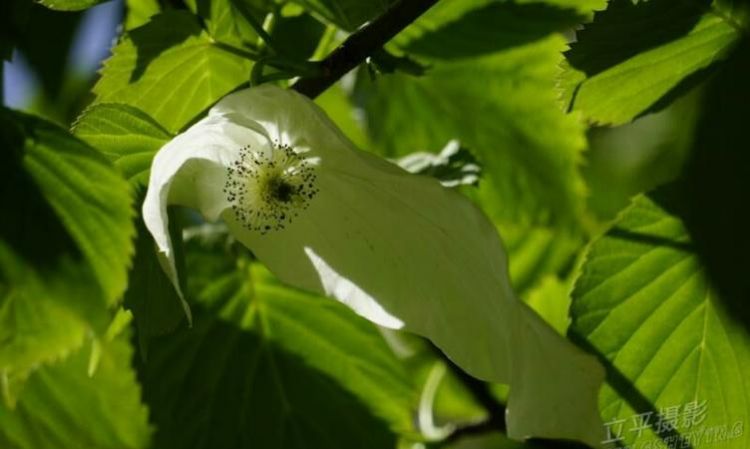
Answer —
361 44
244 53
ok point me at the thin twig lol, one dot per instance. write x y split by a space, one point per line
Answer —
361 44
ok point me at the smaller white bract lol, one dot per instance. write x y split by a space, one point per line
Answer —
399 249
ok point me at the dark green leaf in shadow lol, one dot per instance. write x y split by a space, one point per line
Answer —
151 297
347 14
716 184
14 14
267 366
492 28
297 36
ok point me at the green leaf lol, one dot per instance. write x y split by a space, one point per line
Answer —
635 58
130 138
138 12
457 34
330 338
528 148
153 300
65 247
39 320
225 19
468 24
643 303
281 368
582 6
551 300
127 135
639 156
70 5
170 69
348 14
537 252
63 407
339 108
297 36
90 198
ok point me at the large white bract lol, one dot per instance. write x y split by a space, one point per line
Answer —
399 249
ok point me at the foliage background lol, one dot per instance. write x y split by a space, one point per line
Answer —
610 137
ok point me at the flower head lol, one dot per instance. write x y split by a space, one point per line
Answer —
399 249
269 187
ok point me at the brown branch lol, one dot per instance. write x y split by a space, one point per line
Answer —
361 44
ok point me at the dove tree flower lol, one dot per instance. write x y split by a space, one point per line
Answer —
399 249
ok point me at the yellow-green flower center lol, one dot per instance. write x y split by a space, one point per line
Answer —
268 188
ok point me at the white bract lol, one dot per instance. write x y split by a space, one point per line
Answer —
399 249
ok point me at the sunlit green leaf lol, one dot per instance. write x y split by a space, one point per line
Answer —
90 198
170 69
635 58
138 12
644 304
338 107
128 136
582 6
551 299
226 20
63 407
70 5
